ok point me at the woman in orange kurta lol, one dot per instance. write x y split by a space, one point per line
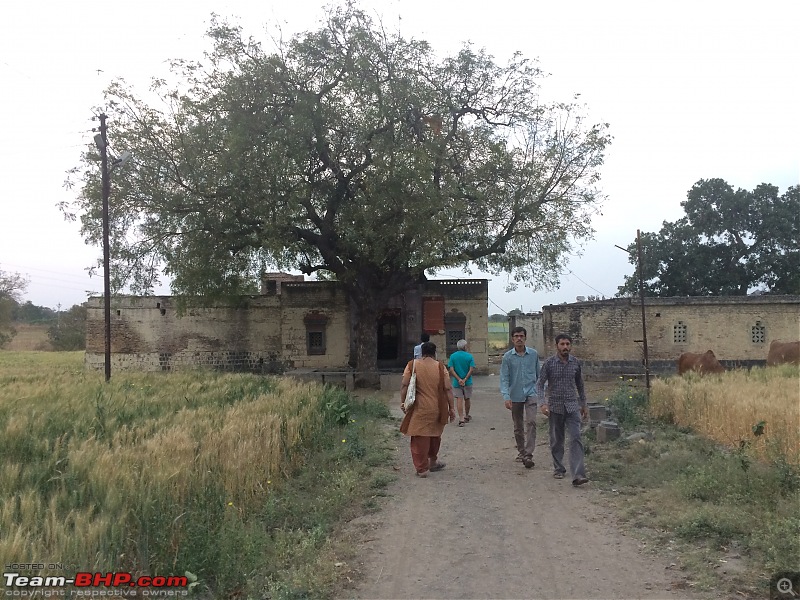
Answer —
426 419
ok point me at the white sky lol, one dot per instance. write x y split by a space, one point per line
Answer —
692 90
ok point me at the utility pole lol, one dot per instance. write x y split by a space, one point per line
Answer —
102 144
641 300
644 321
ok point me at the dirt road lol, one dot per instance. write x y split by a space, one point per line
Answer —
486 527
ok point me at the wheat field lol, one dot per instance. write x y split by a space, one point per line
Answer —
759 408
139 473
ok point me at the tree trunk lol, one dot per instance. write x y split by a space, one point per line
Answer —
366 342
369 295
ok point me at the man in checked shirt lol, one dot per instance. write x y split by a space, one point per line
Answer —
564 408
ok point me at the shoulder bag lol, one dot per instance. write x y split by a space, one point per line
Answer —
411 392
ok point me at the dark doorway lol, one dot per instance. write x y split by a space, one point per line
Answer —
388 339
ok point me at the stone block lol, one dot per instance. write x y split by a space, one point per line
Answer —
607 431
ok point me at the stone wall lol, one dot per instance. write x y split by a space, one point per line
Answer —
148 334
265 333
322 298
738 328
533 323
470 298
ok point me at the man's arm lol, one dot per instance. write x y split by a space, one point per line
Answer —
544 374
579 385
455 376
469 373
505 380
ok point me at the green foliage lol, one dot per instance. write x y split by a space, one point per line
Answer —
683 487
184 498
338 152
729 242
710 523
337 404
69 331
28 312
629 405
12 286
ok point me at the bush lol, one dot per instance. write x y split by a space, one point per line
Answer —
629 405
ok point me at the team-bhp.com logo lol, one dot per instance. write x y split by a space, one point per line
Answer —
24 585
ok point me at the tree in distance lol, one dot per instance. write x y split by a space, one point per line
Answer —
729 243
348 153
12 286
68 332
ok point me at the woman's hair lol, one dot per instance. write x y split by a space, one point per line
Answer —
429 349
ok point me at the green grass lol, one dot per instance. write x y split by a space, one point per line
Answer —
239 479
705 501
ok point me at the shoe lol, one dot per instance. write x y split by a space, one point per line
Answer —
528 462
438 466
519 458
461 423
467 418
422 474
558 475
579 481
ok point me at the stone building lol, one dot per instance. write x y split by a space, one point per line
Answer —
607 334
292 324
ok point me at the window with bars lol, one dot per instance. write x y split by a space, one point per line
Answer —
453 335
315 323
316 342
758 333
679 331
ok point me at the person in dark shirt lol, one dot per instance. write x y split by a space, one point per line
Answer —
565 406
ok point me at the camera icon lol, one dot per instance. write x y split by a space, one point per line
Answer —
784 585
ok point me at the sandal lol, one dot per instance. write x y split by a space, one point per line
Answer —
461 423
437 467
467 419
558 475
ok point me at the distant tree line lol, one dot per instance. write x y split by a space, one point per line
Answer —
729 243
66 329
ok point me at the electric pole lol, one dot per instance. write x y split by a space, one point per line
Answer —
644 321
102 144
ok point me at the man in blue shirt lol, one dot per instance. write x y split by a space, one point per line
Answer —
461 366
418 348
518 374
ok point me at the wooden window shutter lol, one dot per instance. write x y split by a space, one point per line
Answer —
433 315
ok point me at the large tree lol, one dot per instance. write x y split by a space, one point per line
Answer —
728 243
348 152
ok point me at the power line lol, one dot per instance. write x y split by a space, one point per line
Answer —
505 312
42 270
584 283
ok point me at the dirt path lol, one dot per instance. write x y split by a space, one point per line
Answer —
486 527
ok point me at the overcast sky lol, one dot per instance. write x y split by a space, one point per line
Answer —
691 90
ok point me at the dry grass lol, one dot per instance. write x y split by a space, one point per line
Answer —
727 408
29 338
